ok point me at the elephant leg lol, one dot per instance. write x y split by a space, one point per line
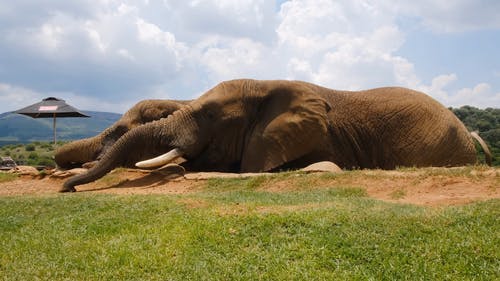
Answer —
292 124
282 141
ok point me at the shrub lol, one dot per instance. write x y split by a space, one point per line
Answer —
30 147
33 155
47 145
45 161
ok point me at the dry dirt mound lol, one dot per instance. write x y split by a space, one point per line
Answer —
430 186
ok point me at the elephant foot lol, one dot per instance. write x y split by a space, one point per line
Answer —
324 166
67 189
171 170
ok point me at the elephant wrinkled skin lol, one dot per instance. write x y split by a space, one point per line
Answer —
86 151
253 126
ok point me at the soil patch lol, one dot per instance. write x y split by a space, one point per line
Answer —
429 186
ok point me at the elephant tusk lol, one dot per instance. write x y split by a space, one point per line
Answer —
160 160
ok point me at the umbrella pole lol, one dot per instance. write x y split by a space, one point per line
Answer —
54 128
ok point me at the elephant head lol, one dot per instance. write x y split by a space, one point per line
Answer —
238 126
89 150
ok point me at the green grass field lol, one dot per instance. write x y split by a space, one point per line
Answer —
232 231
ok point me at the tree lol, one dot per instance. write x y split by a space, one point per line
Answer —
486 122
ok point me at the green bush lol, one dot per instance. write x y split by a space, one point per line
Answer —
33 155
47 145
486 122
30 147
44 161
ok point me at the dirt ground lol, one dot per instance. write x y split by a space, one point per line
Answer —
429 186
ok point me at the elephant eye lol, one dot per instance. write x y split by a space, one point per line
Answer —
210 114
211 111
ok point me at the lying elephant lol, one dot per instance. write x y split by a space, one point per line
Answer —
254 126
86 151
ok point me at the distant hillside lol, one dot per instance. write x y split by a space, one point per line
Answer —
16 128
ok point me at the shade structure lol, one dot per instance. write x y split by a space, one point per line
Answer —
51 108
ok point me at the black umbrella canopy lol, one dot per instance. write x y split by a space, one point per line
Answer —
51 108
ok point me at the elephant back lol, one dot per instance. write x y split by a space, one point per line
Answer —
396 126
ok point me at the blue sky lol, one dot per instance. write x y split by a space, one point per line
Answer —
107 55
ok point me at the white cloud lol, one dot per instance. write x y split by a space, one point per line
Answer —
96 38
111 51
150 33
437 87
453 16
329 48
299 69
49 36
404 72
16 97
95 104
245 18
126 54
481 95
233 59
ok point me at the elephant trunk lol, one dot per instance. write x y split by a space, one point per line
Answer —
78 152
139 144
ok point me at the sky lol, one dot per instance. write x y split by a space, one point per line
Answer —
106 55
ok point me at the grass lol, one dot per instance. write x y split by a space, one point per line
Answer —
7 176
233 230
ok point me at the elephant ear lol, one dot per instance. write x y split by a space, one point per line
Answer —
291 122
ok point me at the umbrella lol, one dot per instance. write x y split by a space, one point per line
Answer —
51 108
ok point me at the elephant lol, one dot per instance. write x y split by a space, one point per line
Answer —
87 151
250 125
